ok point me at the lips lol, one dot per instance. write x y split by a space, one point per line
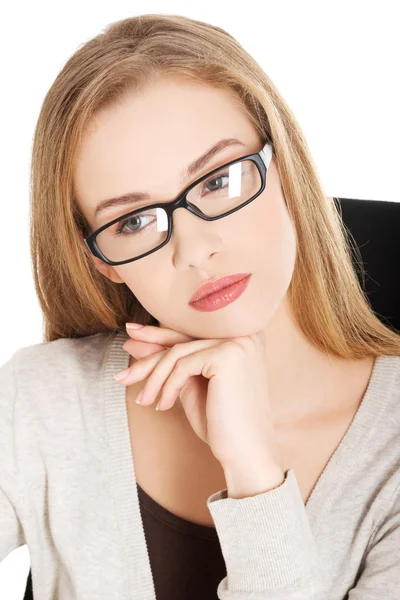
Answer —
215 285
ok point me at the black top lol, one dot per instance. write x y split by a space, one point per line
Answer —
200 567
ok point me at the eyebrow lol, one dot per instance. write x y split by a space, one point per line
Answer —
185 174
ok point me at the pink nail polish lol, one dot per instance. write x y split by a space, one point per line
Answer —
133 325
121 374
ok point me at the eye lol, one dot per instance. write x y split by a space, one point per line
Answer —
121 225
218 178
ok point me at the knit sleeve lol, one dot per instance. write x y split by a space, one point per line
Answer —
268 546
11 531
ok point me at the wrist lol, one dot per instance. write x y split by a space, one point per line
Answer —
250 481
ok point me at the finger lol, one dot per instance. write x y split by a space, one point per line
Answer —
159 335
167 364
142 369
141 349
186 367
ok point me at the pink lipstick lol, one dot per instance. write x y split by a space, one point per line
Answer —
219 293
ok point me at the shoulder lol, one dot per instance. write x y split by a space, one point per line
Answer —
47 366
387 381
382 411
380 427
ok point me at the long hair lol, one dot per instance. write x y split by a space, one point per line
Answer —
325 295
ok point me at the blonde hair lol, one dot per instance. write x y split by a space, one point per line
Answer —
325 295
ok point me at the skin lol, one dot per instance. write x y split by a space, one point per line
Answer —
141 145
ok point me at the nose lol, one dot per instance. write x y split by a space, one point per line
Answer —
193 239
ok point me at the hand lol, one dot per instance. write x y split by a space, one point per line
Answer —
222 385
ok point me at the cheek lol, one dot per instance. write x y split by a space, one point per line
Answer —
149 290
276 246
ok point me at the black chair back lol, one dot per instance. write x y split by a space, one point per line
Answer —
375 226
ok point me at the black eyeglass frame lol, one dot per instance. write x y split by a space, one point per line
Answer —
261 159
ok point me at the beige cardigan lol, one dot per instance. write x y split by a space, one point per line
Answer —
68 491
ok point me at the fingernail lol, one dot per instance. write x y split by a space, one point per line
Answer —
121 374
133 325
139 397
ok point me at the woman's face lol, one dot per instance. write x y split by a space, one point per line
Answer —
142 145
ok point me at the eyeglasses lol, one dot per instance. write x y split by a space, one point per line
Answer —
217 194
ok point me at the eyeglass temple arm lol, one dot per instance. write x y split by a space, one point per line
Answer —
266 154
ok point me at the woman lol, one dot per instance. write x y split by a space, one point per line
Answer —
271 469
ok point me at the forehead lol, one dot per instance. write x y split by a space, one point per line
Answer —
164 115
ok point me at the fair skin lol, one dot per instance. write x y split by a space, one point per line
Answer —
141 145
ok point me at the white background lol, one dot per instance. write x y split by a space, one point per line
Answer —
335 63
